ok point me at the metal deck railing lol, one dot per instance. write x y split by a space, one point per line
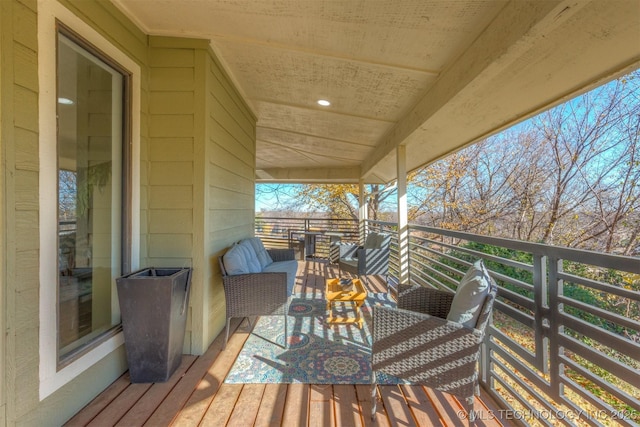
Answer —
564 346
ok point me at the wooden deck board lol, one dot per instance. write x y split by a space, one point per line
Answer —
272 405
396 406
142 410
296 408
421 407
222 406
120 405
197 395
201 398
179 395
97 405
448 408
246 410
320 405
347 411
365 400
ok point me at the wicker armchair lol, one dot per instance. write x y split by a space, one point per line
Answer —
415 342
257 294
372 258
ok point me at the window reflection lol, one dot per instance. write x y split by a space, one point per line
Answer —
89 145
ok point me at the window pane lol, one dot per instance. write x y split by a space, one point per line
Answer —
90 111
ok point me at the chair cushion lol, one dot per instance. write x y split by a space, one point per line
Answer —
290 267
384 240
372 241
263 256
470 296
250 256
234 261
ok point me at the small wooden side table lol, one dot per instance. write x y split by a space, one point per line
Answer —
357 295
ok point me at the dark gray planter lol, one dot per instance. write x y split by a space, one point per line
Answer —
154 304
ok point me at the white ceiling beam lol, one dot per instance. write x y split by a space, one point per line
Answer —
511 34
318 52
309 175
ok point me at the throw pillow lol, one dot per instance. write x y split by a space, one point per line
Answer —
470 295
234 261
372 241
263 256
250 257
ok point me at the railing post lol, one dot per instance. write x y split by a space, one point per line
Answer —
556 307
363 211
403 217
540 295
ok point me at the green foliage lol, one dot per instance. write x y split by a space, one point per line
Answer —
607 301
575 291
98 176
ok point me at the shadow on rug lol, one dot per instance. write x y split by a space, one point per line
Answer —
318 353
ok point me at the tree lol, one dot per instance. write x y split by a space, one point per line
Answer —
568 176
592 144
67 195
337 200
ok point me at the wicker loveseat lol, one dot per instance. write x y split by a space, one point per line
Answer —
257 282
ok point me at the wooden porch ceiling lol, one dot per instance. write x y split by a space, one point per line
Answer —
197 395
432 75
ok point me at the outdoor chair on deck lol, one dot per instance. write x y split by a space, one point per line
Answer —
433 338
372 258
257 282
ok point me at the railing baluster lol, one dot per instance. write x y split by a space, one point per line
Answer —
555 290
542 311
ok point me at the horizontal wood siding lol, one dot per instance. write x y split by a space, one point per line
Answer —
19 135
171 221
21 228
6 132
231 152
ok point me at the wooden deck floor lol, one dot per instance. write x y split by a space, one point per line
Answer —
196 394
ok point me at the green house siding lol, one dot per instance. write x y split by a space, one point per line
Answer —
197 165
230 180
19 136
202 140
172 216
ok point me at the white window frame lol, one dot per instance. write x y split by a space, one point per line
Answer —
52 379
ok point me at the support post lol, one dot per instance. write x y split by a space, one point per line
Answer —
403 215
363 212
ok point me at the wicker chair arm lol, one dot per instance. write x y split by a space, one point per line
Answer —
255 294
281 254
399 325
425 300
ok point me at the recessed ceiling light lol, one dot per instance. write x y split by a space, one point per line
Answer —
324 102
65 101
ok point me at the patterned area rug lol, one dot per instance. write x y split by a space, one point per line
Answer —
318 353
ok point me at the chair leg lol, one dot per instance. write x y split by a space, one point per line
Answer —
374 396
470 411
364 279
226 337
286 335
249 321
